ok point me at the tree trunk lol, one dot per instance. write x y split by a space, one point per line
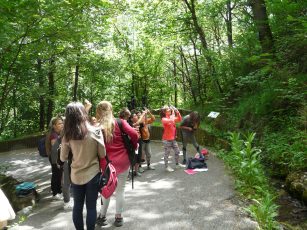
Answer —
175 82
76 79
198 72
199 30
217 36
188 77
41 96
15 112
51 88
229 23
263 27
183 79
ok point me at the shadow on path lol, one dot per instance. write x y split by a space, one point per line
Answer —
159 200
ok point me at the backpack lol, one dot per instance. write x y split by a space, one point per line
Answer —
194 163
129 146
108 180
42 147
25 188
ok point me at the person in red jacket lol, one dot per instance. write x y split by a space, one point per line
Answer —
169 116
117 154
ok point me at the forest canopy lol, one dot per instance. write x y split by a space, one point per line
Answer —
190 53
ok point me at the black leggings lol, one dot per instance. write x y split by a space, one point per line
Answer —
139 154
56 179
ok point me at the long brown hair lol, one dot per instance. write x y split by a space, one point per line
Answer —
75 125
195 118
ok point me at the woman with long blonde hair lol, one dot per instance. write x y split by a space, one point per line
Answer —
117 154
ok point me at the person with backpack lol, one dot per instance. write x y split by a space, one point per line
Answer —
189 124
52 144
117 154
136 121
86 143
145 136
169 116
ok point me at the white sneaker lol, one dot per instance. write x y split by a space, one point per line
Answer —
178 166
69 205
169 169
141 170
58 197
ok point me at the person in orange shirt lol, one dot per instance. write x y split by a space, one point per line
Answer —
169 116
145 136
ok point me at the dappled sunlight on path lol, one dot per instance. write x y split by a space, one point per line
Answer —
159 200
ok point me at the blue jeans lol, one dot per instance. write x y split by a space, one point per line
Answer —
89 193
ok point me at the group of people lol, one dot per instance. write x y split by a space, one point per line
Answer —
85 141
140 121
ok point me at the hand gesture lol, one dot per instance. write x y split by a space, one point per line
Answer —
87 105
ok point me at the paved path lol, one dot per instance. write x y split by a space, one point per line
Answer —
159 201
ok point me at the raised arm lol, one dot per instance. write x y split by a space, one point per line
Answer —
178 117
151 119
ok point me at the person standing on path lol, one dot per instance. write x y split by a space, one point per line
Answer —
145 136
86 144
52 143
117 154
188 126
136 121
169 116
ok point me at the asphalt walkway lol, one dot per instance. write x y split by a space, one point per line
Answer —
159 200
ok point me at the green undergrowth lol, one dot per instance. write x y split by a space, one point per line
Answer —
251 181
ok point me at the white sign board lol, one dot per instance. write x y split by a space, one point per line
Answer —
213 114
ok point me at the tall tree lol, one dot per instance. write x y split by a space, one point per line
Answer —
262 23
51 90
41 95
191 6
76 82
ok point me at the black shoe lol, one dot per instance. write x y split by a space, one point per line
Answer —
118 221
184 161
102 221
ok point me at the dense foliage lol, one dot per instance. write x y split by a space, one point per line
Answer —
243 58
245 161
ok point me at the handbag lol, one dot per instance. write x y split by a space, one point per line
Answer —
107 180
109 188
